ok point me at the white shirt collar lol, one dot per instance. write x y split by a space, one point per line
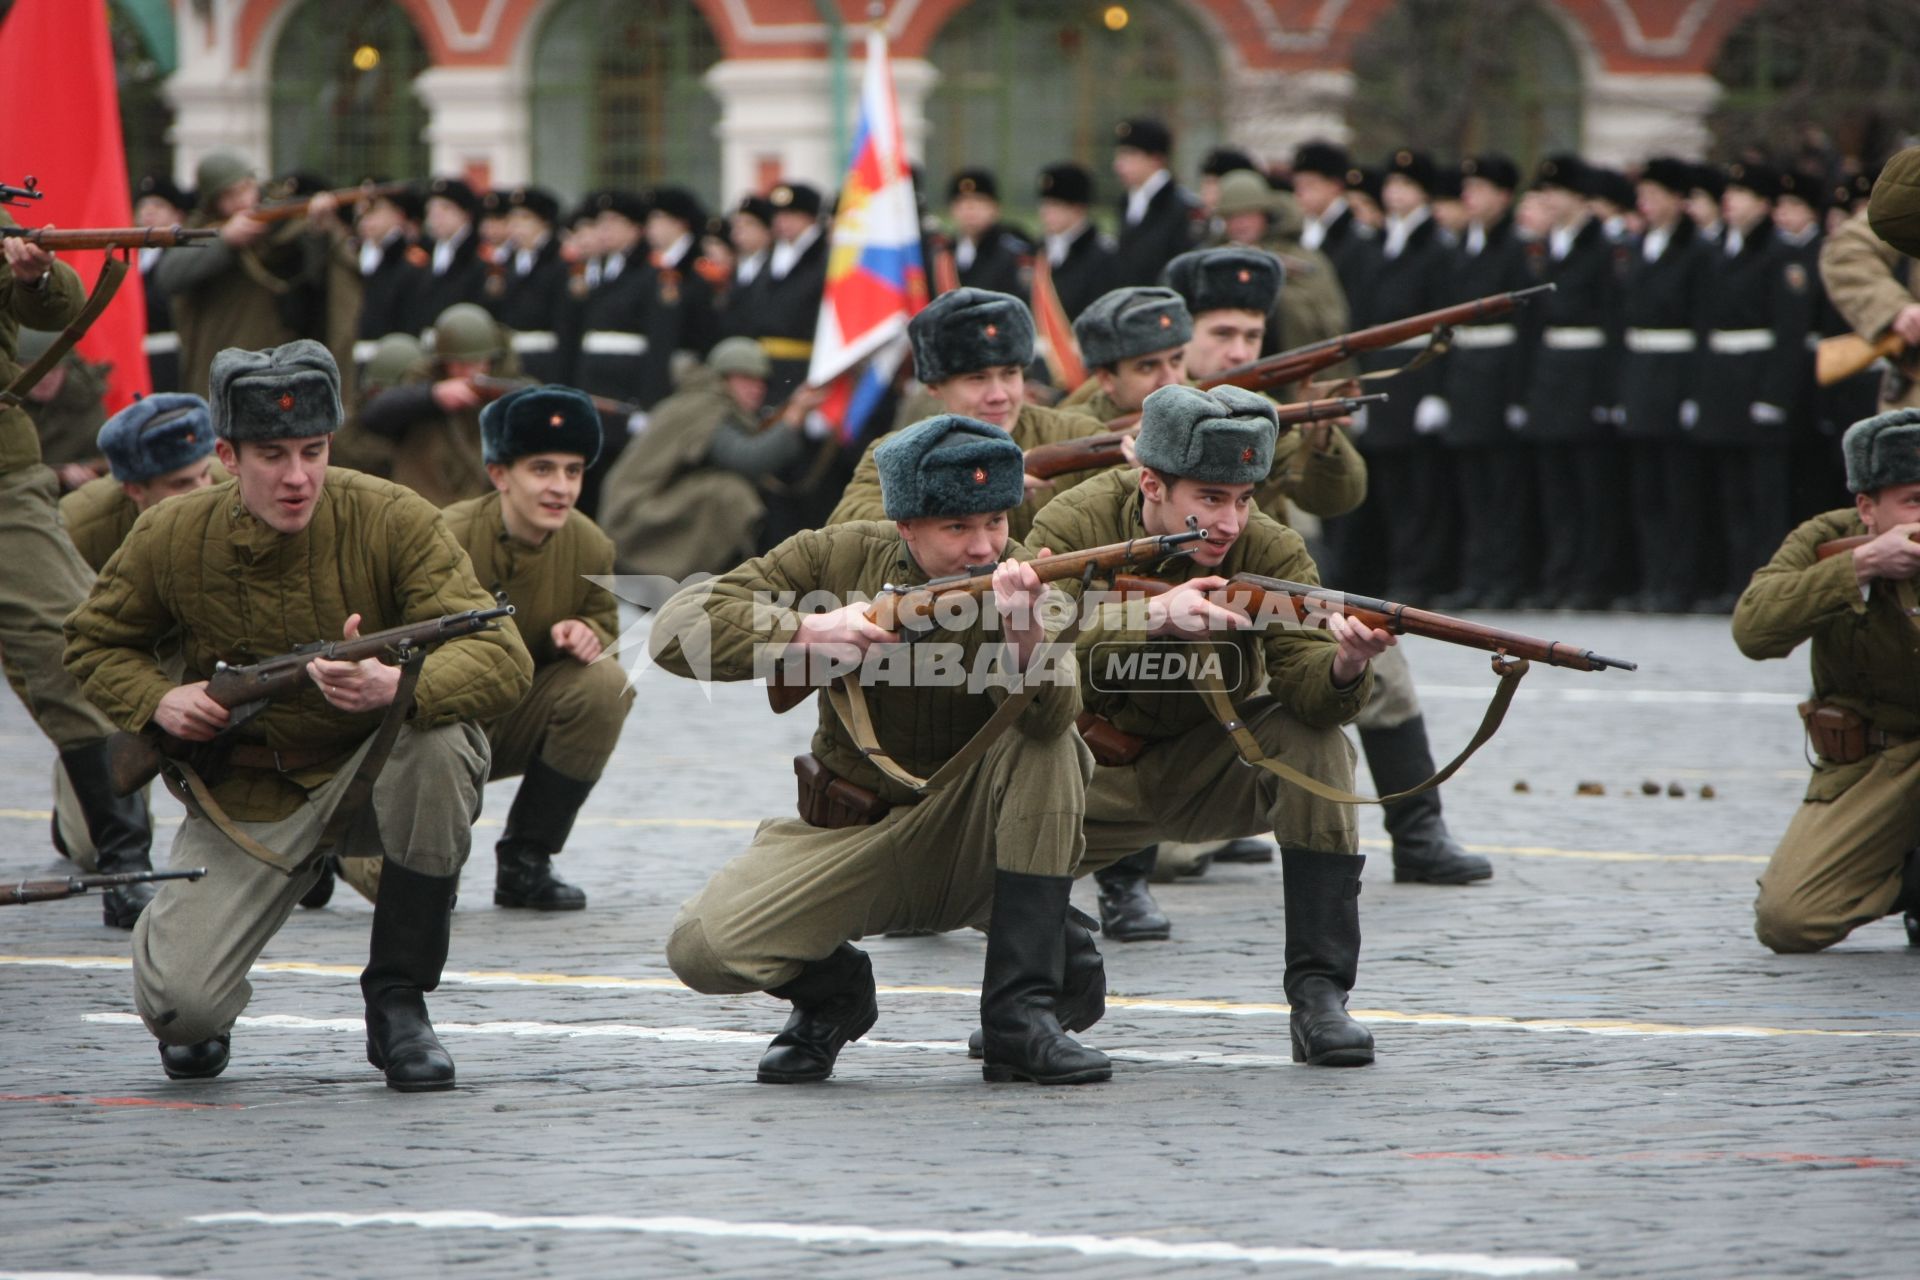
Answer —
677 249
1139 198
1058 246
747 268
1400 230
1560 239
787 254
1315 229
443 250
1655 243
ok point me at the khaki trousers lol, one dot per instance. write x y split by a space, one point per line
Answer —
193 946
570 719
1838 865
1393 701
1195 788
44 580
800 891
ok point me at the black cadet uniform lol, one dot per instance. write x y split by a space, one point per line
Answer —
1401 541
997 260
1167 228
1485 381
462 276
533 296
162 340
1085 270
1570 409
1757 315
680 310
786 309
1662 297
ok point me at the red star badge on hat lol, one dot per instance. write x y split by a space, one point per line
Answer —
1246 455
555 420
1166 321
993 330
979 475
286 401
1245 275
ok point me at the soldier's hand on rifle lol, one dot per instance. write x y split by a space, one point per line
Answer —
323 211
1359 645
366 685
1907 324
1129 451
1893 556
1034 484
189 714
29 261
843 634
242 230
570 635
1191 609
454 394
1017 592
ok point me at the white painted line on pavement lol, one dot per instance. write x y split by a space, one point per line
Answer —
677 1035
84 1275
1092 1246
1698 697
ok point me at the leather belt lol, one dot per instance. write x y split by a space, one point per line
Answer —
253 755
165 343
1573 338
1662 342
1484 337
787 348
364 349
1739 342
536 342
608 342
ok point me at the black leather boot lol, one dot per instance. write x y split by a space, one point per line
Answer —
1323 956
537 828
202 1061
122 835
1128 912
1083 989
412 925
833 1003
1423 852
322 891
1020 990
1245 849
1908 904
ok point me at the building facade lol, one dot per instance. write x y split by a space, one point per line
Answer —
731 95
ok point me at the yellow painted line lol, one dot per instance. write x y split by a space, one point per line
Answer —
750 824
1144 1004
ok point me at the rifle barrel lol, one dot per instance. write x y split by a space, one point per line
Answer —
57 239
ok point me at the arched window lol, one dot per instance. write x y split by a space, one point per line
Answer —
618 98
1024 83
143 57
343 102
1455 79
1816 83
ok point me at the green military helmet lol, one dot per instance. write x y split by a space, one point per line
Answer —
1893 210
741 356
393 355
1243 191
465 331
217 171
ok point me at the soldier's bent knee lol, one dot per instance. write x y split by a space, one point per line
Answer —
1785 931
695 961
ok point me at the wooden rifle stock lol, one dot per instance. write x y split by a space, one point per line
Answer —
1843 546
896 606
55 240
490 389
288 210
1840 357
1309 605
1045 461
1302 362
74 886
135 758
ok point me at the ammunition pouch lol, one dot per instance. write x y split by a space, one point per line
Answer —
830 801
1840 735
1112 747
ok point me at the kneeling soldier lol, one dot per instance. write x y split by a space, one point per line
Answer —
1849 856
1169 770
533 550
993 841
155 448
285 553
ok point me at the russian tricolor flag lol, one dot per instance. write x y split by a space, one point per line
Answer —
875 278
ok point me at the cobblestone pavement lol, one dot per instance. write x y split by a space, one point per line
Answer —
1586 1063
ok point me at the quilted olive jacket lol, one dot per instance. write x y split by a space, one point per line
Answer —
544 584
715 630
1296 665
237 591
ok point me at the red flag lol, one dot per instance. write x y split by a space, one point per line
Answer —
64 129
1062 351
